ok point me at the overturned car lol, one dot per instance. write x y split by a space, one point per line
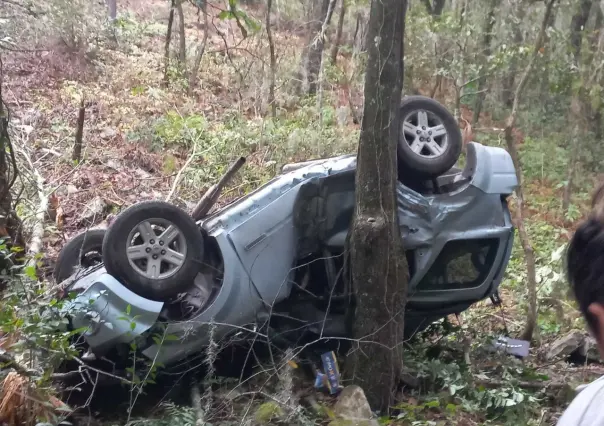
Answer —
275 257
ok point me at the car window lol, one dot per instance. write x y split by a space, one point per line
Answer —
461 264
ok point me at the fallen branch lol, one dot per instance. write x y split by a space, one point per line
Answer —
212 194
494 384
10 362
35 245
180 172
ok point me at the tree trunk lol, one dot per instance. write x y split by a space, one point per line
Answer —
596 122
10 224
201 50
315 44
435 8
167 45
338 39
510 78
273 69
529 255
486 51
378 265
112 6
182 51
77 147
577 29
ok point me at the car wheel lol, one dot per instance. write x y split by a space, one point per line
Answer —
430 141
154 248
84 250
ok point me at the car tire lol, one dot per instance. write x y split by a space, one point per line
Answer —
83 250
139 266
430 144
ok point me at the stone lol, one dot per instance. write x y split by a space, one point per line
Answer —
566 345
589 350
93 210
352 408
108 133
71 189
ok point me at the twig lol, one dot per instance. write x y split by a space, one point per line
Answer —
180 172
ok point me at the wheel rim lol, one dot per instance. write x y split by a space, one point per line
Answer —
425 134
156 248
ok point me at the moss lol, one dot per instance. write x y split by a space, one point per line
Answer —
267 412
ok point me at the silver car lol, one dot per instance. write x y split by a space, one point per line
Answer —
273 260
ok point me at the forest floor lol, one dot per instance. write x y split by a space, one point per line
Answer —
139 133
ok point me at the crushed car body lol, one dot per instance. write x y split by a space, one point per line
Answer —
275 257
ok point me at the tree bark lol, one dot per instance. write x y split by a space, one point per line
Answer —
182 51
315 44
529 255
77 147
486 51
112 6
379 269
201 50
577 29
167 44
335 48
510 78
273 68
434 8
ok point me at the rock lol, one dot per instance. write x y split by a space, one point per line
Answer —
93 210
113 164
589 350
352 409
566 345
108 133
71 189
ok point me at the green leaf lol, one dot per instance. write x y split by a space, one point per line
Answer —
128 309
30 271
132 326
225 14
432 404
171 337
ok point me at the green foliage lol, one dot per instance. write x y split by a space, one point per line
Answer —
505 402
172 415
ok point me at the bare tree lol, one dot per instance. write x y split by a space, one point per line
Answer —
378 265
486 49
529 255
182 47
168 40
273 70
201 50
434 7
335 47
315 43
576 113
112 5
